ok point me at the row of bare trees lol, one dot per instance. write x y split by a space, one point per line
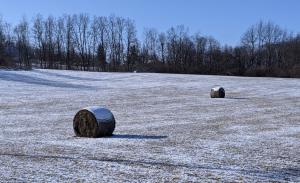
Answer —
271 49
82 42
110 43
177 51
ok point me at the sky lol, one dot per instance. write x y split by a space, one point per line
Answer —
226 20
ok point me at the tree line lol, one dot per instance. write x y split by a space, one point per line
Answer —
82 42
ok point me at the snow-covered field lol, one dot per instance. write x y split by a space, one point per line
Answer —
168 128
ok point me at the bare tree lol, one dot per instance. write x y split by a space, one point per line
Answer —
249 40
38 33
162 43
69 39
2 38
115 42
95 39
23 43
60 33
150 43
201 47
131 44
81 37
49 40
120 40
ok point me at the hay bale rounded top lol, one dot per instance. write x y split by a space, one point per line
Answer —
94 122
217 92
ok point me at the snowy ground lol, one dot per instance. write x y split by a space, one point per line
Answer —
168 128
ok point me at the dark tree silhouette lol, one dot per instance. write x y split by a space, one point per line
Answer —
111 44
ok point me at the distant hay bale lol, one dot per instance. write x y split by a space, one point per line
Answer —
94 122
217 92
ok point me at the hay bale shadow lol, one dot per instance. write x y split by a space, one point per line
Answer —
237 98
137 137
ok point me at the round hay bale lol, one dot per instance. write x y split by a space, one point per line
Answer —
217 92
94 122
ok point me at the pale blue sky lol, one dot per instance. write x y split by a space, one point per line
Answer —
226 20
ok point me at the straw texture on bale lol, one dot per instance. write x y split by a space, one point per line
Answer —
94 122
217 92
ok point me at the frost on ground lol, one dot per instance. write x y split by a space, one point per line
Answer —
168 128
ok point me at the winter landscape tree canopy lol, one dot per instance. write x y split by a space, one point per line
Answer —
100 43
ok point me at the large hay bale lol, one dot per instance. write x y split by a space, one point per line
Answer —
217 92
94 122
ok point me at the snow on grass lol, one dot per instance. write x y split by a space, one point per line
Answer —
167 128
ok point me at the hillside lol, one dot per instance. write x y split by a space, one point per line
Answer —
168 128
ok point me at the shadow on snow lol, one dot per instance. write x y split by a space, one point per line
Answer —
127 136
10 76
65 76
